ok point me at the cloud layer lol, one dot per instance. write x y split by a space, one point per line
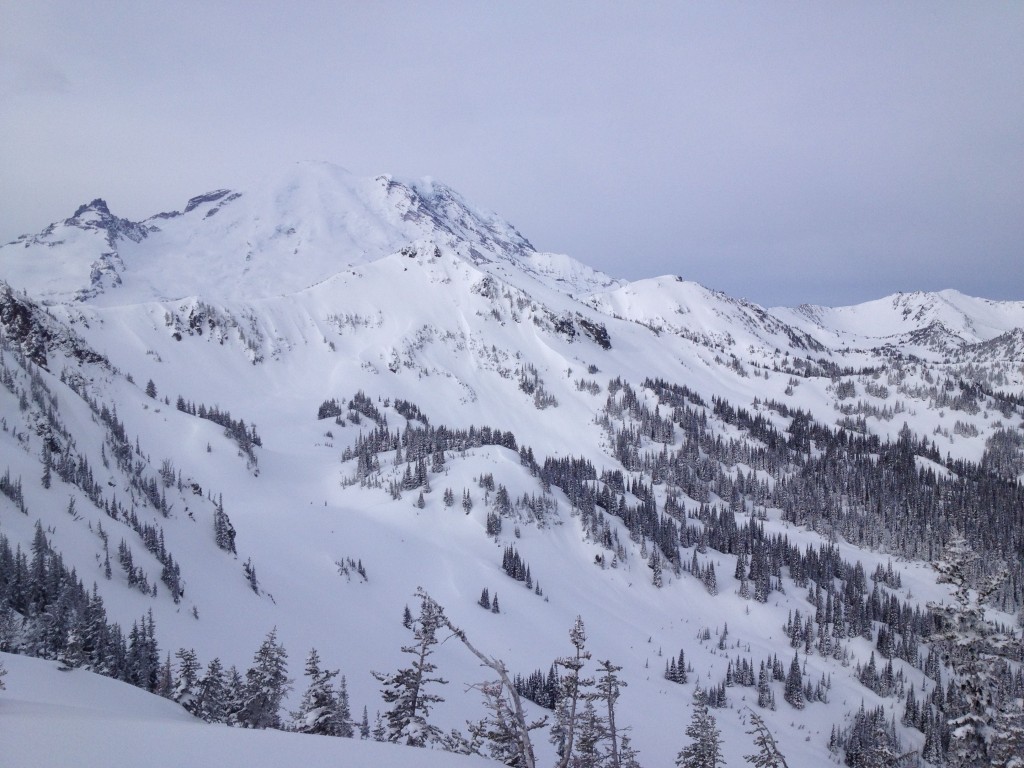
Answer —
784 152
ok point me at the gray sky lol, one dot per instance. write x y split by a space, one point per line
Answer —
783 151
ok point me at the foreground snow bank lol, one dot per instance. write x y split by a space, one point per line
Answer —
54 718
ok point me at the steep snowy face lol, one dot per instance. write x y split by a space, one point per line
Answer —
282 234
77 258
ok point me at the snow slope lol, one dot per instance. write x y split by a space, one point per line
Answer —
314 285
53 719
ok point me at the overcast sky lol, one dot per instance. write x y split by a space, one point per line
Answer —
785 152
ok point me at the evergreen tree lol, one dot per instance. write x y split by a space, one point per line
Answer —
574 688
266 684
765 696
768 754
654 564
407 689
186 688
223 530
872 742
235 699
318 709
507 721
500 731
47 477
165 679
590 732
628 757
794 684
705 749
364 725
607 691
380 732
710 580
212 696
344 716
985 719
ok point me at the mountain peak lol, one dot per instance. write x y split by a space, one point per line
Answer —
99 205
291 229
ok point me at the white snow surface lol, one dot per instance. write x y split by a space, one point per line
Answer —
315 285
54 719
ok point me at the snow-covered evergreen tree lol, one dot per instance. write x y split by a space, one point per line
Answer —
574 688
705 748
407 690
768 754
266 684
794 693
345 724
318 709
212 694
607 690
186 686
986 722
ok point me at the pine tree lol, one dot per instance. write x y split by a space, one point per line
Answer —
223 530
250 575
47 467
318 709
266 684
506 727
499 732
380 732
794 684
407 689
656 572
765 697
590 732
607 691
710 580
705 749
574 688
628 757
3 672
768 755
165 679
186 687
235 699
344 711
986 721
212 696
364 725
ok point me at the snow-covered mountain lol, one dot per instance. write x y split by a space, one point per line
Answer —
379 387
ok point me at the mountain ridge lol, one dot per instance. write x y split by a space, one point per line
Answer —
665 457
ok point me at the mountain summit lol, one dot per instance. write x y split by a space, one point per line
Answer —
282 234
